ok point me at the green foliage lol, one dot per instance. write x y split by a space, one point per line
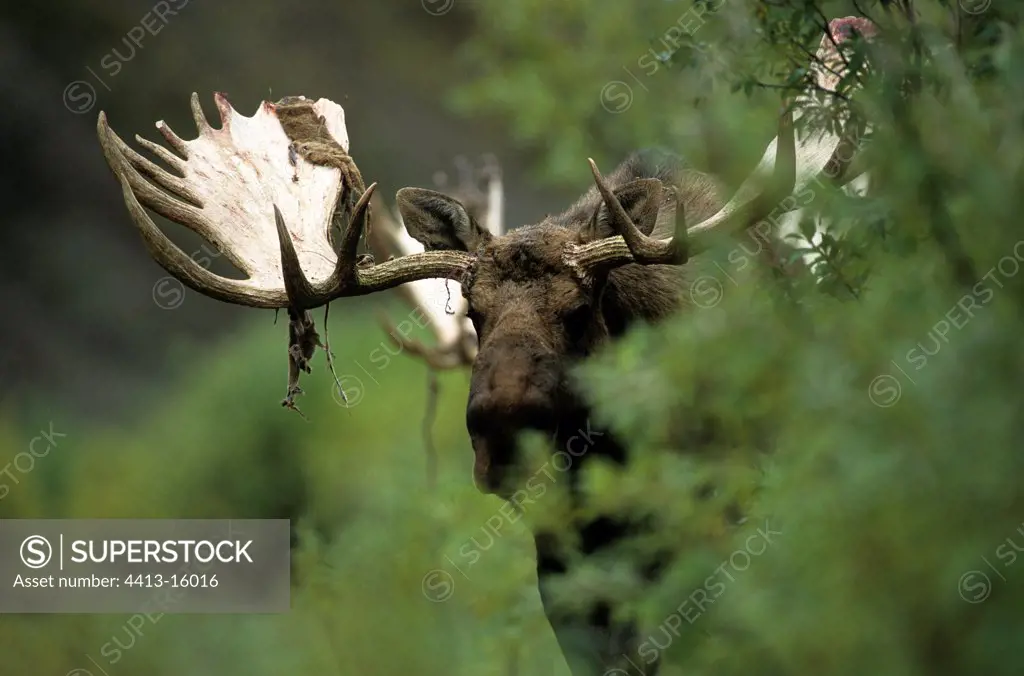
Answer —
873 419
587 78
601 78
835 464
354 482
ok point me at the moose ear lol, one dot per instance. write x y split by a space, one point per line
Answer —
438 221
648 203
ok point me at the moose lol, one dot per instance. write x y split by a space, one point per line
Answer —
281 196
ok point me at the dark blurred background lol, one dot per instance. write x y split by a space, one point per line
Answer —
80 322
884 444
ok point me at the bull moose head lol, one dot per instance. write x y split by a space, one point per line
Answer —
280 196
273 191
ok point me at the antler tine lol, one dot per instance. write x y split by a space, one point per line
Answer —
645 250
173 184
202 125
164 154
754 200
757 197
777 187
137 191
350 240
345 278
176 141
301 294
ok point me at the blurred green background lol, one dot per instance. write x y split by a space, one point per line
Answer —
871 419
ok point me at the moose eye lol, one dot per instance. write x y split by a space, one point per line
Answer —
476 318
576 322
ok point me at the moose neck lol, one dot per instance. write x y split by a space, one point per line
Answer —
632 294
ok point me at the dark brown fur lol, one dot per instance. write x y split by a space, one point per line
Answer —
535 320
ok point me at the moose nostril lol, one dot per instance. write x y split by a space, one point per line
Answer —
487 416
476 418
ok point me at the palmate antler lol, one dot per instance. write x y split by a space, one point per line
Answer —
441 301
789 163
268 191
